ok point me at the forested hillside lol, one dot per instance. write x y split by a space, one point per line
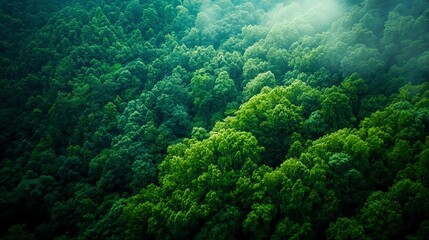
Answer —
214 119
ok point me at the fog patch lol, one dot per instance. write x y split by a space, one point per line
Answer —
319 14
209 13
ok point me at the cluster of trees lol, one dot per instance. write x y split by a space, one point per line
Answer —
214 119
365 182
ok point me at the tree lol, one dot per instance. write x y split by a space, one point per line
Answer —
255 85
258 221
19 232
225 88
203 94
271 118
254 66
345 228
336 109
366 61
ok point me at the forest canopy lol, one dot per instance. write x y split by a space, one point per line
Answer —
214 119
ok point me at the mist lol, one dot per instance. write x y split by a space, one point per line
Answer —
317 13
209 12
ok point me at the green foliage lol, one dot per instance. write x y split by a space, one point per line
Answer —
255 85
214 119
271 118
345 228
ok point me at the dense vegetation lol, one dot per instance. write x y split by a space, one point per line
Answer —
214 119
